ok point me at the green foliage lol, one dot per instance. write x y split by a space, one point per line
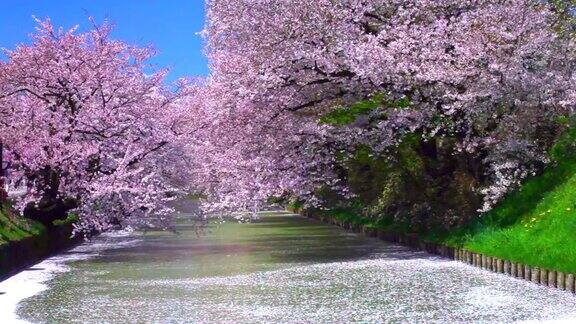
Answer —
370 176
14 227
72 218
564 147
408 156
295 205
534 225
346 215
346 115
566 19
418 186
195 196
443 121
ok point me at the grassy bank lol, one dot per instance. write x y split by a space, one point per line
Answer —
535 225
24 242
14 228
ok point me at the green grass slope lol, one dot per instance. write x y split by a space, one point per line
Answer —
14 228
535 225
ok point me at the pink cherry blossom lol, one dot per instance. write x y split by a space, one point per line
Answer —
85 118
491 70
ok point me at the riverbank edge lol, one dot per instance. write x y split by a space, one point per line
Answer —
16 256
545 277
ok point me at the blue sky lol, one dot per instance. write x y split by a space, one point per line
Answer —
169 25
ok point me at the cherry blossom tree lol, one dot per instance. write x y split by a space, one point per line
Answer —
488 73
244 157
3 193
91 128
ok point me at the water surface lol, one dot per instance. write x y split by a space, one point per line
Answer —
281 268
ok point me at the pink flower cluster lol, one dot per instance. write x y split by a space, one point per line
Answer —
81 119
485 72
82 116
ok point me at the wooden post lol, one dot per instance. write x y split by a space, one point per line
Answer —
520 273
570 283
514 269
3 193
552 277
500 264
535 272
561 280
527 272
544 277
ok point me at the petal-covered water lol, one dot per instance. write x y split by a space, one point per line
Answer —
281 268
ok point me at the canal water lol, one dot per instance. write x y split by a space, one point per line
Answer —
280 268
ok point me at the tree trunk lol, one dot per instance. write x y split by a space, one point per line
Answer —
3 193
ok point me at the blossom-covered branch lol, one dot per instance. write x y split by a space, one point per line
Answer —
91 129
470 70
